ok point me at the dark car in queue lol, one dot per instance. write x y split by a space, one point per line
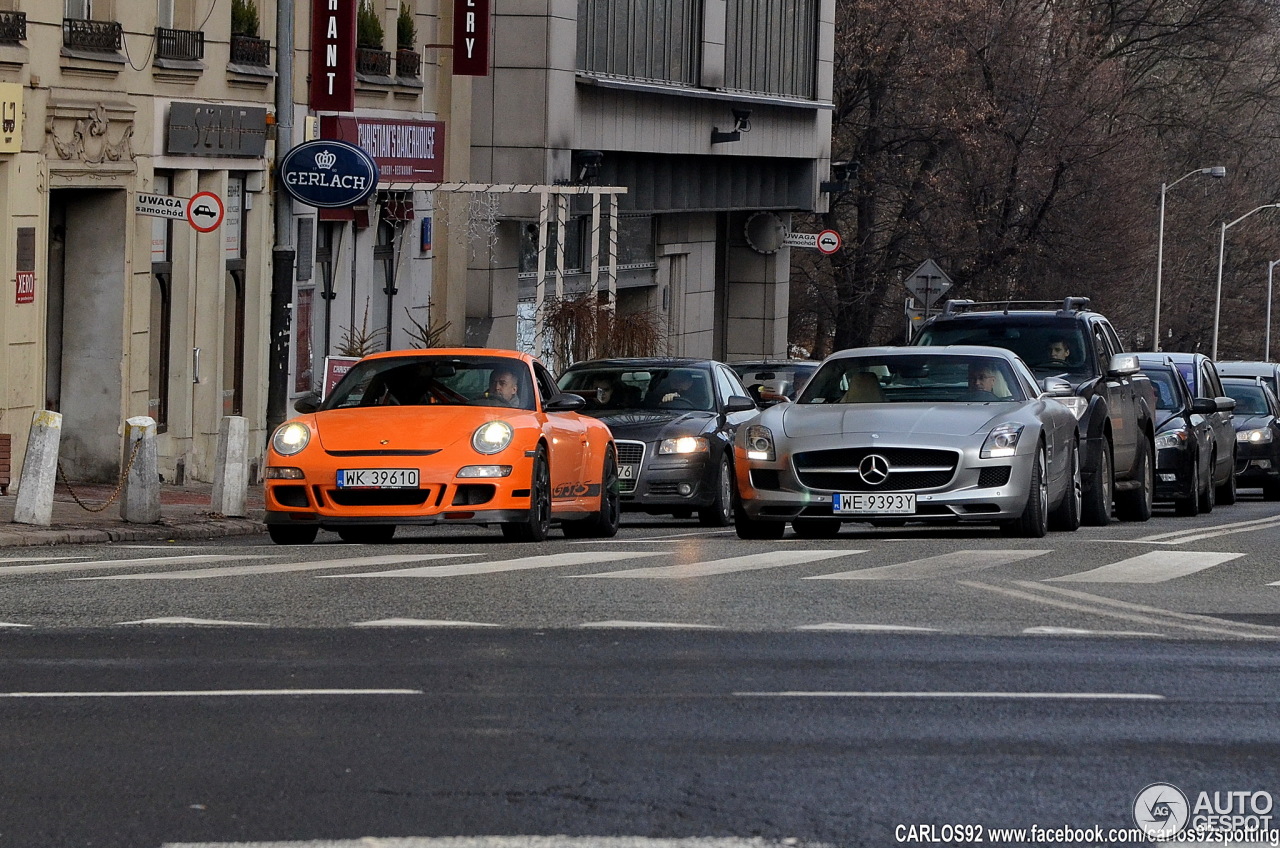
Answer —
1257 420
1268 371
1205 385
771 381
1184 442
888 435
673 421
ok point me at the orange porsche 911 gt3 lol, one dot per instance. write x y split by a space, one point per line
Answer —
441 436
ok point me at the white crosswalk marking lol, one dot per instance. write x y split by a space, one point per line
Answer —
751 562
1153 567
943 565
102 564
275 567
521 564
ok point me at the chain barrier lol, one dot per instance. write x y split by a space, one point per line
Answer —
124 475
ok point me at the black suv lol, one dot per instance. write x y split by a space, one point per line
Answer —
1113 400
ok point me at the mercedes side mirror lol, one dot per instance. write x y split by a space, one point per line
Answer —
1056 387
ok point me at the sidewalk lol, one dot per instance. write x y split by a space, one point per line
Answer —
184 514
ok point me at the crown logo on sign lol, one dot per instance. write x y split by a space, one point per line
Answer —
325 159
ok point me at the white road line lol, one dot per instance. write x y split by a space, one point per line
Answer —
1179 537
55 567
200 622
275 568
729 565
1154 567
702 534
11 624
943 565
1094 605
1076 631
38 559
837 626
211 693
1263 631
646 625
419 622
521 564
1019 696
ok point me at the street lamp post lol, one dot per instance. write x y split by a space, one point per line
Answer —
1217 171
1266 349
1222 247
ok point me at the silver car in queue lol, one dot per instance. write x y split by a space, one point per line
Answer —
886 435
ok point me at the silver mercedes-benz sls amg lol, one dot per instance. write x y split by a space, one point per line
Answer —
887 435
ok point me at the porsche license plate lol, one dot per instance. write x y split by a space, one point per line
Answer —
860 504
378 478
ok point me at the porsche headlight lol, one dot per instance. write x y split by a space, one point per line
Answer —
1261 436
684 444
1002 441
760 443
1175 439
492 437
290 438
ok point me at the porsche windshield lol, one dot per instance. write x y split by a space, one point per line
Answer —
917 378
432 380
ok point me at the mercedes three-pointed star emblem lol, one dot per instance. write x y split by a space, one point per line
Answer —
874 469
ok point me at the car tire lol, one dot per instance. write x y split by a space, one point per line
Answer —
1190 505
1209 494
367 534
1066 515
1227 491
537 525
720 512
1135 504
604 524
293 534
1097 495
816 528
748 528
1034 521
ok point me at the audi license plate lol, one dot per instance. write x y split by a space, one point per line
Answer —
627 472
859 504
378 478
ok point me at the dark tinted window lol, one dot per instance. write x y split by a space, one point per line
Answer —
1050 345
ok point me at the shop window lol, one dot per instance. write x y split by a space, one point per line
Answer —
161 321
233 232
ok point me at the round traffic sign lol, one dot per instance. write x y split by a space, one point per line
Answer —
829 241
205 212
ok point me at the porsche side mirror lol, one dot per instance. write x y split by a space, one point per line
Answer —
307 404
566 402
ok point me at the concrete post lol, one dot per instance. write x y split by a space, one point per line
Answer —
231 468
39 471
140 502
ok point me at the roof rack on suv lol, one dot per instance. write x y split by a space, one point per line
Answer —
1069 305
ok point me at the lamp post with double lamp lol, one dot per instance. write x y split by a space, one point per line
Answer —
1218 172
1222 247
1266 348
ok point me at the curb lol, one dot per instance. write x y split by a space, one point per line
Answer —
31 536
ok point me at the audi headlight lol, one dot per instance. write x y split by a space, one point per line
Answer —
1261 436
492 437
290 438
1002 441
760 443
1175 439
684 444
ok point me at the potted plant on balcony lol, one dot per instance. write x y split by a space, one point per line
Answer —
244 18
371 59
407 59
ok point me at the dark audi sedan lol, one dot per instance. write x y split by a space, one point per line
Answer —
673 421
1257 434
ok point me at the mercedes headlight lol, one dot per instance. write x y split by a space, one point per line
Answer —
1261 436
290 438
684 444
1002 441
492 437
1175 439
760 443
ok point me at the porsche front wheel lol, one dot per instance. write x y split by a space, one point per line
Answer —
537 525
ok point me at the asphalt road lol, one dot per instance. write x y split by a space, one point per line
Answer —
674 687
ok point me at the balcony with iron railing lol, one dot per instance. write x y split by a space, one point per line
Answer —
94 36
180 44
13 27
373 63
247 50
408 63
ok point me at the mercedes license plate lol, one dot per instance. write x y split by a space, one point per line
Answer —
378 478
860 504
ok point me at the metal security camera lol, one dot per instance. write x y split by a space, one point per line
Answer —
589 162
841 171
742 117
